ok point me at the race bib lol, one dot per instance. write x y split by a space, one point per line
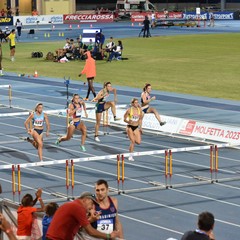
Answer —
105 225
38 123
79 112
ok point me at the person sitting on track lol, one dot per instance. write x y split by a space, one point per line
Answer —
37 117
75 113
133 117
146 99
102 105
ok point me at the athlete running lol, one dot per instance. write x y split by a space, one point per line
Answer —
146 99
75 109
102 105
133 117
38 117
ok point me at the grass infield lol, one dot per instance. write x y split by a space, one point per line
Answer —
203 65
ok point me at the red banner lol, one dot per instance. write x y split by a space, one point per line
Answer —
139 17
87 18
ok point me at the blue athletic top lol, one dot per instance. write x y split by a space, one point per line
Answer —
106 222
38 120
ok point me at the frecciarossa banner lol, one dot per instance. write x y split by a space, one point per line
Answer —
87 18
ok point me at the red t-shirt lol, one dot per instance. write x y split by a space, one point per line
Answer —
24 220
67 221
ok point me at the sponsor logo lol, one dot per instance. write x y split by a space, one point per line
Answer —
90 17
31 19
57 19
5 20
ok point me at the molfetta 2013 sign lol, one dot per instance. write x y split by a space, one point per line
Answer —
87 18
211 131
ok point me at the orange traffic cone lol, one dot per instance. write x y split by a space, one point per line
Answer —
35 74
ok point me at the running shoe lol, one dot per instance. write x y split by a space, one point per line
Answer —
162 123
57 141
83 148
131 159
85 99
117 119
97 139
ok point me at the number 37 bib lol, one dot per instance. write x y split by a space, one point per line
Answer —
105 225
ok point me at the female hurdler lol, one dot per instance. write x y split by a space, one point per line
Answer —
75 109
38 117
133 117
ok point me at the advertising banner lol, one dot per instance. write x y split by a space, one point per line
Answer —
87 18
41 20
6 21
206 15
139 17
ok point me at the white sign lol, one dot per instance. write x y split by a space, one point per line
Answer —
198 11
42 19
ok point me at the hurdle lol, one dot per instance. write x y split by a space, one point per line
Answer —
18 182
214 162
120 173
9 93
168 168
105 122
69 177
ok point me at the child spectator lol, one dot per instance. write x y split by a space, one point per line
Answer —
25 214
50 210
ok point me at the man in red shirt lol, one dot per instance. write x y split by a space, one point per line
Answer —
71 216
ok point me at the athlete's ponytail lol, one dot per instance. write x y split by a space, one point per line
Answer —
146 86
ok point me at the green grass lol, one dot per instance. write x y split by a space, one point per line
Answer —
203 65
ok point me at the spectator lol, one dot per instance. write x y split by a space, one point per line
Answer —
71 216
50 210
99 40
90 46
7 32
34 12
109 47
12 44
90 71
25 214
204 230
9 12
117 52
2 36
70 49
18 25
17 12
62 51
2 13
212 22
165 12
6 227
153 19
105 212
146 24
